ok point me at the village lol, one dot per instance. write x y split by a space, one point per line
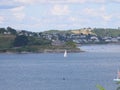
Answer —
80 36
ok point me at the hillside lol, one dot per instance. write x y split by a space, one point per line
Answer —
106 32
6 41
83 31
57 31
101 32
53 40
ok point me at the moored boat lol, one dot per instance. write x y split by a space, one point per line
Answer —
117 80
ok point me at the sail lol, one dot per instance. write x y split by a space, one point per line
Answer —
65 53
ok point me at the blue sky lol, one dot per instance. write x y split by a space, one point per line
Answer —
41 15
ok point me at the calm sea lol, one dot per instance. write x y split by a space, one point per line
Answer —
78 71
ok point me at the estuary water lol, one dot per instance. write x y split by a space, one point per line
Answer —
78 71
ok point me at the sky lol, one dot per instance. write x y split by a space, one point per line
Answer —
42 15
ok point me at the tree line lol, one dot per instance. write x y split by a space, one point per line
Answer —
23 40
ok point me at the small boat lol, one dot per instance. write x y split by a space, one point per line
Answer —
65 53
117 80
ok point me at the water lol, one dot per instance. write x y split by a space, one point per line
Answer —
78 71
102 48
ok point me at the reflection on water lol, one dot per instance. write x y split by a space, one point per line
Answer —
101 48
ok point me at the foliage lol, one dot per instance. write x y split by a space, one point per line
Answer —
21 40
101 32
11 30
6 41
2 30
38 41
70 44
100 87
58 31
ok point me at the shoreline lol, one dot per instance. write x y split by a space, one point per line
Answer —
57 50
44 51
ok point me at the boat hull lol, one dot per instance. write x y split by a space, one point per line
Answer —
116 80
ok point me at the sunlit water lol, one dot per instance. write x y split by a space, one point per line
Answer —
78 71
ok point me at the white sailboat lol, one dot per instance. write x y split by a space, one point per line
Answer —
65 53
117 80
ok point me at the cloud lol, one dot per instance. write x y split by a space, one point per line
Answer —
59 1
1 19
90 11
14 3
19 16
73 19
18 12
106 18
98 12
95 11
8 4
17 9
86 1
27 1
59 13
116 1
60 10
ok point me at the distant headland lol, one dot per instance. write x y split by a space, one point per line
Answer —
23 41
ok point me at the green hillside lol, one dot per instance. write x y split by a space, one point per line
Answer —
57 31
6 41
106 32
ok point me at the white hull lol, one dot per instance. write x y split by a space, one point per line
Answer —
116 80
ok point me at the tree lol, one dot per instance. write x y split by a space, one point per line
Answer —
71 44
38 41
21 40
2 30
11 30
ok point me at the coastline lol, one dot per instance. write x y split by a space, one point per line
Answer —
77 50
51 50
